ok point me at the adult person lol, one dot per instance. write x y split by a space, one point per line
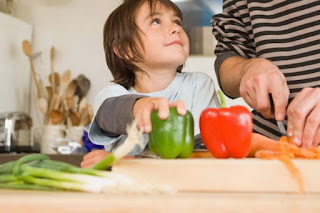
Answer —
272 47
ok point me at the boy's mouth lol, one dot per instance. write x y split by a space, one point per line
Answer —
175 42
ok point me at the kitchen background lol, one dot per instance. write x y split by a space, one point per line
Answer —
74 28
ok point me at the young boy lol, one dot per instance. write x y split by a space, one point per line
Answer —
145 47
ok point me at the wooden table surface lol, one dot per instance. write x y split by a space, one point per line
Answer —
12 201
205 185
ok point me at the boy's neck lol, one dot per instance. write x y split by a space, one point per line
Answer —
153 81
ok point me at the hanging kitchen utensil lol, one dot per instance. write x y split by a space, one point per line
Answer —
52 55
64 82
75 118
55 117
82 104
72 87
27 49
54 81
83 85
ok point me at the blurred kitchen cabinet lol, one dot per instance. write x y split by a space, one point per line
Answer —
15 75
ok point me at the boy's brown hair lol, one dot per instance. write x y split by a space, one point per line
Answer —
122 34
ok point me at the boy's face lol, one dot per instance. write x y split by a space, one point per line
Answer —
166 45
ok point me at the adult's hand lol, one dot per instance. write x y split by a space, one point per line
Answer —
261 77
303 118
144 106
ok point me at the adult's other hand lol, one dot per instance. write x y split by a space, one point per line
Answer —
303 118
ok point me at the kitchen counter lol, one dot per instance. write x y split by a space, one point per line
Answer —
204 185
74 159
73 202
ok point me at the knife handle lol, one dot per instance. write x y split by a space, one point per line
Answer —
271 105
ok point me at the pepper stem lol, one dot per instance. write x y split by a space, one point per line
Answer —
222 100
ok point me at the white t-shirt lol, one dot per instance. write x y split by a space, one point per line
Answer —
195 89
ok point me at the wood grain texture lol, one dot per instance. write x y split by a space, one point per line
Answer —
227 175
73 202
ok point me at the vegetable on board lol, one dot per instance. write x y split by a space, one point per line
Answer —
38 172
173 137
283 150
134 138
226 132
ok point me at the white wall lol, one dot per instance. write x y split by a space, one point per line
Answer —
14 65
75 27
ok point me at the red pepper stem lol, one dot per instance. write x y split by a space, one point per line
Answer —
222 100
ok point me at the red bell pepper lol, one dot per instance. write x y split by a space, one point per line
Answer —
226 132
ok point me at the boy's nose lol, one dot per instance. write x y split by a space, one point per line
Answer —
175 29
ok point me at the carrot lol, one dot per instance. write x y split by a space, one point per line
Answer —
294 171
267 154
283 150
261 142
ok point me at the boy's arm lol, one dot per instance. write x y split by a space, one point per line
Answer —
115 113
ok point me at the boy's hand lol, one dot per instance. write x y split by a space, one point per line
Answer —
144 106
93 157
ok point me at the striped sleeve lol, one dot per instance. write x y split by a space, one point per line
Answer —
286 32
230 30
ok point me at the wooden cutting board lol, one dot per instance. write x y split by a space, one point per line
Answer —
227 175
18 201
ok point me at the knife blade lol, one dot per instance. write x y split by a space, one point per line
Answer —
280 124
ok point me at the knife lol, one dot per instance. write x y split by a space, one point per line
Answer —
280 124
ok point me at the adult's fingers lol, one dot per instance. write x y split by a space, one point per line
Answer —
280 95
309 136
272 82
299 111
262 87
247 92
316 140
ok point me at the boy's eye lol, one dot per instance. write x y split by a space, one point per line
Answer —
155 21
178 22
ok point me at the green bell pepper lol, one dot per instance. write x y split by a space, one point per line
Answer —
173 137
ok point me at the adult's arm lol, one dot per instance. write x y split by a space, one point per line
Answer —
239 71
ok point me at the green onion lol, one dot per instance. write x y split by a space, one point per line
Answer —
134 137
7 168
23 185
7 178
38 172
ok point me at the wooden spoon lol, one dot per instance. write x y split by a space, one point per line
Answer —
49 92
27 49
64 81
75 118
83 85
55 81
55 117
84 117
90 112
43 105
52 55
72 87
82 104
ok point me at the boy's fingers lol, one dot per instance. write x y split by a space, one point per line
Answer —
181 107
94 153
145 117
163 108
